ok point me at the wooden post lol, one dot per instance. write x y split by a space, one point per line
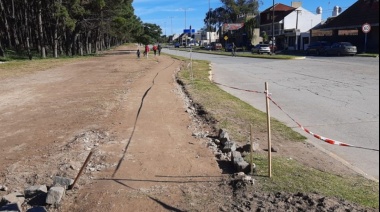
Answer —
81 170
251 139
269 131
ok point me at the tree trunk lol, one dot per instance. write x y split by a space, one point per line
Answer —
7 31
41 32
2 53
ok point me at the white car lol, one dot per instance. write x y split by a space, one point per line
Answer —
261 49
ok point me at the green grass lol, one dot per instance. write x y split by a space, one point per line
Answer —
244 54
368 55
235 116
291 176
232 114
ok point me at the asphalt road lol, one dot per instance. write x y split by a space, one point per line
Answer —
335 97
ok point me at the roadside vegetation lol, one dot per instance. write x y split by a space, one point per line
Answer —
234 115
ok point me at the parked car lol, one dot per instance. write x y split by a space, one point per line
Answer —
273 48
177 45
341 48
317 48
261 49
228 47
216 46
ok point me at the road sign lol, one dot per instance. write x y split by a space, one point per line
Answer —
366 28
225 37
189 31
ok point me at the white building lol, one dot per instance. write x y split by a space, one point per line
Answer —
291 25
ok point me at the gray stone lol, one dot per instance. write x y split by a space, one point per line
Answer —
236 155
274 149
242 166
14 197
13 207
35 190
223 136
55 195
3 188
37 209
63 181
255 147
229 146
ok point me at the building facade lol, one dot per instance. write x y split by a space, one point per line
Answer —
347 27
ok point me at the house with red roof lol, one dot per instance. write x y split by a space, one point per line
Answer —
288 26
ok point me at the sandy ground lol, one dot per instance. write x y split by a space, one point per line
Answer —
131 113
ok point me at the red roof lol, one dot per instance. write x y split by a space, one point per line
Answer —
279 7
233 26
280 12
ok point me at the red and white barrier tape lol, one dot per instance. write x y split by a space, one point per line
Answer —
251 91
327 140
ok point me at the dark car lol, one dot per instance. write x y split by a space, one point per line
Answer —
176 45
228 47
317 48
341 48
216 46
261 49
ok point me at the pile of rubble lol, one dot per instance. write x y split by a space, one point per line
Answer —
37 198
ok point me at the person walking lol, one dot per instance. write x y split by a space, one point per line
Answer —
155 50
138 53
159 49
147 51
233 50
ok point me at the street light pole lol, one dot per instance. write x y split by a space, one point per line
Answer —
209 27
273 28
296 47
171 25
186 27
165 29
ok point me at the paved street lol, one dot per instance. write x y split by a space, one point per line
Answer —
335 97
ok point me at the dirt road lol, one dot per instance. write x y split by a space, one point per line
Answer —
132 114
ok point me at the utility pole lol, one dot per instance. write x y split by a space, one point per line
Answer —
296 43
209 27
165 29
273 39
171 25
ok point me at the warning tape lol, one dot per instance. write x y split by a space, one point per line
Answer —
251 91
327 140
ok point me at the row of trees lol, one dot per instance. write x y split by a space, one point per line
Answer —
70 27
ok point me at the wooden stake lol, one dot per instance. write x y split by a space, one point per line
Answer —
81 170
251 139
269 132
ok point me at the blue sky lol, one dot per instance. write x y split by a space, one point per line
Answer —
174 15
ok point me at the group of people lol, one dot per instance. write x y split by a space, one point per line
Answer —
156 49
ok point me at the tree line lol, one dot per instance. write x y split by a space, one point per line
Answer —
70 27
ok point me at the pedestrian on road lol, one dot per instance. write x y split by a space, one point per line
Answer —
155 50
138 53
147 51
233 49
159 49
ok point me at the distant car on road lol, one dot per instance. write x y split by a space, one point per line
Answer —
177 45
317 48
261 49
216 46
341 48
228 47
